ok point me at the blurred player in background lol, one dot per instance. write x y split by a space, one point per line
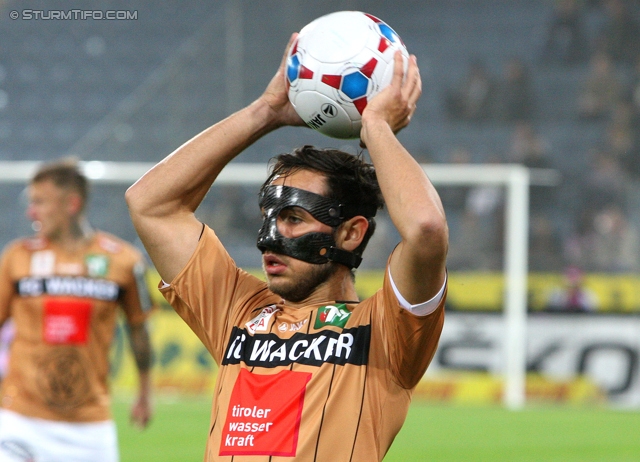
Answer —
62 288
307 371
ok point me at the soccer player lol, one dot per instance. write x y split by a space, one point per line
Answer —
62 289
307 371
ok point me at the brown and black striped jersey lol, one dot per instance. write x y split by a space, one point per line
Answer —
327 382
64 308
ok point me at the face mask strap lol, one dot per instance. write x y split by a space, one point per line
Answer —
349 259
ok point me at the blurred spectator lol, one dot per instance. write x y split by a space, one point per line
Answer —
515 98
615 241
632 104
620 33
566 42
610 243
605 183
635 88
234 215
484 200
453 197
601 89
619 135
573 244
545 245
474 247
473 99
572 296
529 148
477 244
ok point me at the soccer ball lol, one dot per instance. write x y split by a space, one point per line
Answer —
336 65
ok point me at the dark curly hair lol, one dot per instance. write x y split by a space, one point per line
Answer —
350 179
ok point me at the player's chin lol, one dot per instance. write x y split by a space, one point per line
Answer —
278 285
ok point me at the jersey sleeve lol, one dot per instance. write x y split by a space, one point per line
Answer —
211 293
410 340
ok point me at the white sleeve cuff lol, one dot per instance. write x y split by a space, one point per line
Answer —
421 309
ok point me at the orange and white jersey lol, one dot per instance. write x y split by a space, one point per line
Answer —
64 309
330 381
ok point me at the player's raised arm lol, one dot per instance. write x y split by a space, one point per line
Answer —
162 203
418 264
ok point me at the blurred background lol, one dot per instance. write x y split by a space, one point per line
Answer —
543 83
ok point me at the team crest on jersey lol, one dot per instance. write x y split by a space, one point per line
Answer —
261 322
332 315
97 265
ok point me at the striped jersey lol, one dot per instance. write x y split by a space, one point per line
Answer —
64 308
330 381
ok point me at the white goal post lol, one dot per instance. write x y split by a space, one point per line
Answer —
516 180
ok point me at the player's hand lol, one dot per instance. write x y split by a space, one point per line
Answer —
396 103
275 95
141 412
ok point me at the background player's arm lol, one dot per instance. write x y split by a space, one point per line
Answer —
418 264
141 347
6 288
136 305
162 203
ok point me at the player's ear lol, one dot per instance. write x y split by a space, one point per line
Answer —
74 203
351 233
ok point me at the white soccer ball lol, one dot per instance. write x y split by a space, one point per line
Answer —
336 65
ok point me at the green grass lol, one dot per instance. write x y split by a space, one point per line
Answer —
563 434
178 431
431 433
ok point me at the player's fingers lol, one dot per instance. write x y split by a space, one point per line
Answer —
141 421
413 83
144 422
140 416
398 70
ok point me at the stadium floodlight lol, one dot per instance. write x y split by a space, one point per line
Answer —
516 179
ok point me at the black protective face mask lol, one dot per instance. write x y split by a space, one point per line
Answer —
316 248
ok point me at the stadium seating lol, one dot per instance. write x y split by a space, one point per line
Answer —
153 82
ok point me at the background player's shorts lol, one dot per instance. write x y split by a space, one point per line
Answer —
36 440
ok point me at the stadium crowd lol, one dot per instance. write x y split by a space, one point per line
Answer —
546 84
591 220
604 235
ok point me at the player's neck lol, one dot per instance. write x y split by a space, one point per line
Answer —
77 235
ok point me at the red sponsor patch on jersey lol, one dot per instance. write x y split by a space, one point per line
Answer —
264 414
66 320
